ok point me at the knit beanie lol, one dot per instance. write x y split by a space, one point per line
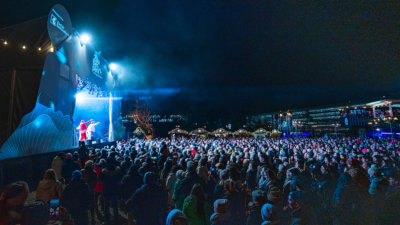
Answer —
76 175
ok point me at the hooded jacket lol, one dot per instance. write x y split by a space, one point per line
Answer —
48 190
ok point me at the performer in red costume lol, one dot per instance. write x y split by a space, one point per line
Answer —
82 130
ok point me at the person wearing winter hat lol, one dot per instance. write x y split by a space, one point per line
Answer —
221 215
176 217
258 200
270 215
76 199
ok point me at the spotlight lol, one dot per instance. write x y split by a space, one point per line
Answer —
39 49
80 97
5 43
113 66
85 38
23 47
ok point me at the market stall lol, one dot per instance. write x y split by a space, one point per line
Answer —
242 133
221 132
178 132
260 132
199 132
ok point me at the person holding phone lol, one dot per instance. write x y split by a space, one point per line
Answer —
49 187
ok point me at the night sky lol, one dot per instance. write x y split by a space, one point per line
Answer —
217 58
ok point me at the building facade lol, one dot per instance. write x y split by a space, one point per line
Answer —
378 118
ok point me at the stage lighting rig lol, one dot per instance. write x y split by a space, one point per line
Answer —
84 38
113 67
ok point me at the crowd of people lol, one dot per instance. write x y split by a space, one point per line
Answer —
224 181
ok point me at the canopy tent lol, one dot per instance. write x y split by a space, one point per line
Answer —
261 132
178 131
199 132
221 132
139 131
276 133
242 132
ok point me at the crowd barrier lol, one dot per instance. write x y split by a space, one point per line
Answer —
31 168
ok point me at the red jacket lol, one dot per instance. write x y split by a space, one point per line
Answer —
99 186
82 126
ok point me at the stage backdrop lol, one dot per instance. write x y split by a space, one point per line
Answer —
71 71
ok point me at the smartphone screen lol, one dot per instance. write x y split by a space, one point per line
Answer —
54 208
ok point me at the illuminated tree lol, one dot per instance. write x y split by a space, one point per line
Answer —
142 118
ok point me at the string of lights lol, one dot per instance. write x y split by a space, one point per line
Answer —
25 47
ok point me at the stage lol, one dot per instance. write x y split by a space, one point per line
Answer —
77 84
